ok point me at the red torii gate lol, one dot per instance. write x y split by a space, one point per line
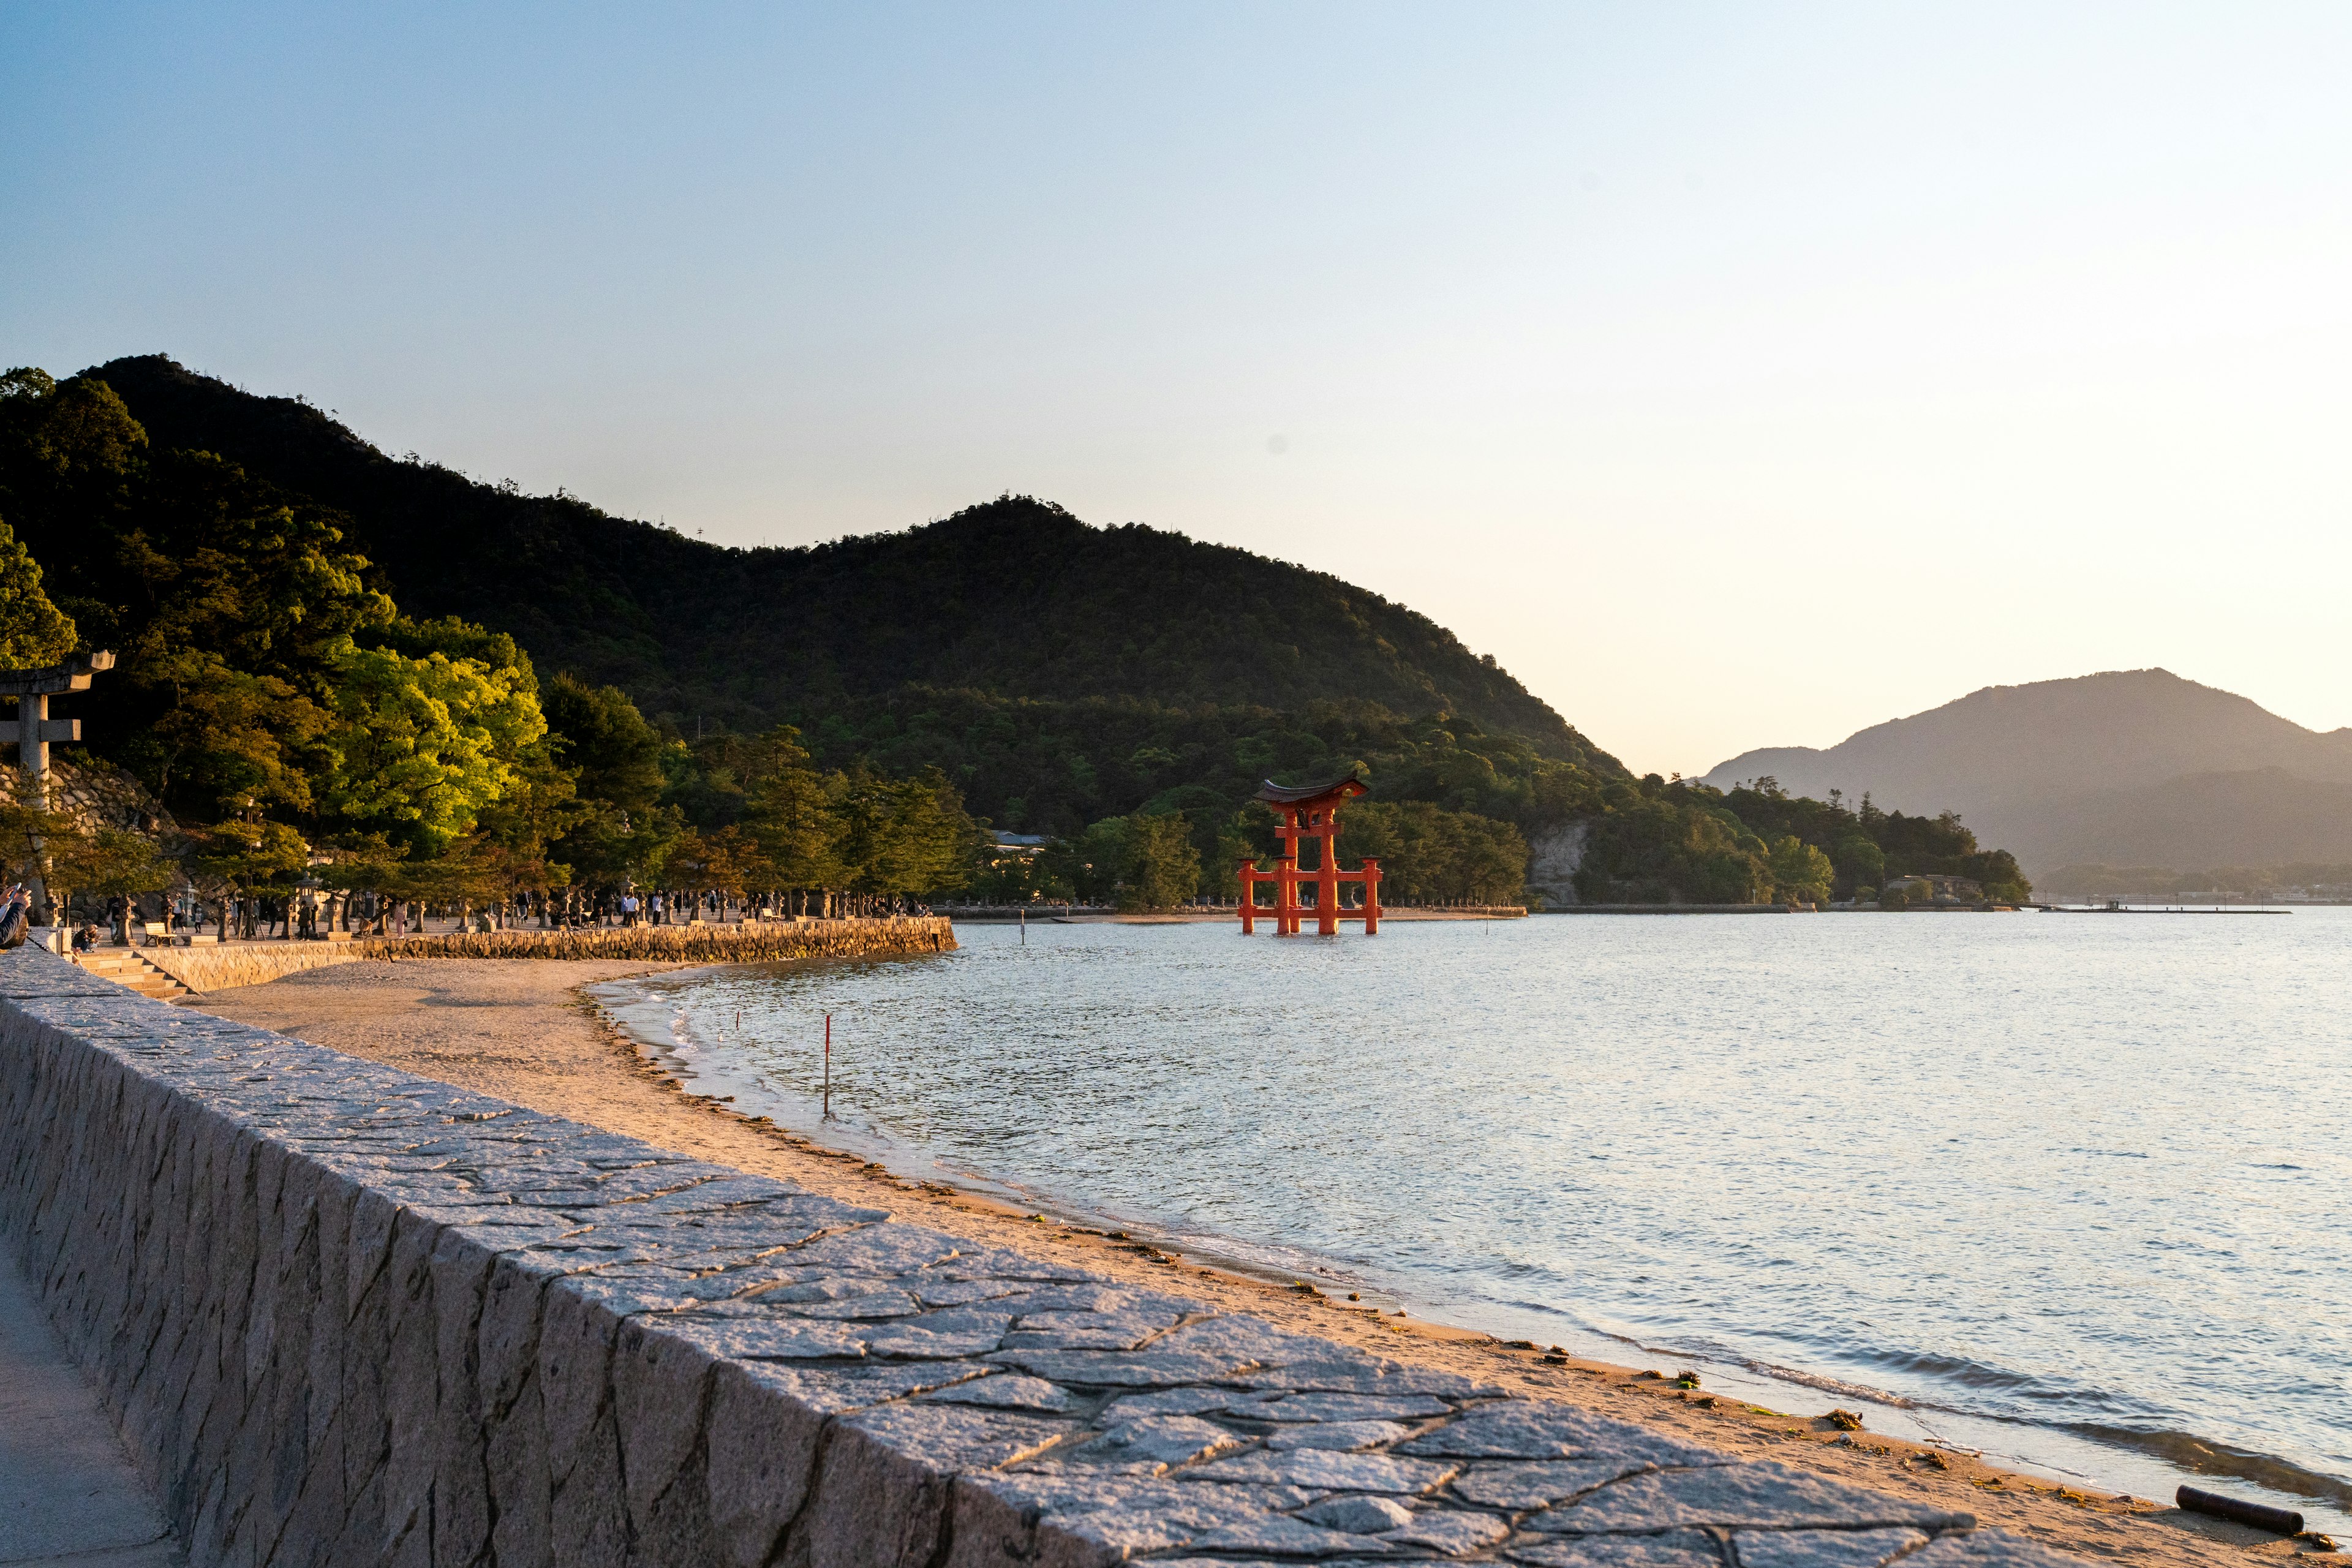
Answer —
1310 812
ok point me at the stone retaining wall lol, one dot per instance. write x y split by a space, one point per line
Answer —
746 943
217 968
349 1316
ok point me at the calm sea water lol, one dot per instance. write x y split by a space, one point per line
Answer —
2069 1188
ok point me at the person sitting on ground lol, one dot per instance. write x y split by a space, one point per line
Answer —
16 915
85 938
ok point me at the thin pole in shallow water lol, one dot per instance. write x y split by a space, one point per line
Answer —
828 1068
1025 925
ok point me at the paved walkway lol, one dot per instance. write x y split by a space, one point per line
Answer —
68 1493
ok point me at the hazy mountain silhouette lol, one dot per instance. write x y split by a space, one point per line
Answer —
2128 767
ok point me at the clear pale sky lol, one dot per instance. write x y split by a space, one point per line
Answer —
1737 375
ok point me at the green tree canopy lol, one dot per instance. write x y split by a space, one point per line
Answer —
34 632
1161 868
420 747
600 735
796 834
1800 873
903 836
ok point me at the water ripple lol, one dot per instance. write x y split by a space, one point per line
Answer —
2079 1172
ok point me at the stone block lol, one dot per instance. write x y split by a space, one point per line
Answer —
765 1338
1540 1483
884 1481
1990 1549
957 1331
1075 1518
1340 1370
1110 1330
1322 1470
1153 1443
760 1448
1667 1549
865 1305
661 1386
1757 1496
1187 1402
1338 1435
1525 1429
1350 1407
1824 1548
1006 1390
1152 1368
1357 1515
838 1389
1284 1537
1450 1533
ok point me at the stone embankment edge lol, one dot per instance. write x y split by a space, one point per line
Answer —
219 968
345 1315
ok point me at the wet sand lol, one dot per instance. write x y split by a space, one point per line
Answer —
521 1031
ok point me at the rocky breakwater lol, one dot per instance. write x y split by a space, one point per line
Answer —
222 966
749 941
346 1315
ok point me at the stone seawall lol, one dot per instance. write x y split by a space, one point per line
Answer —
751 942
348 1316
219 968
204 969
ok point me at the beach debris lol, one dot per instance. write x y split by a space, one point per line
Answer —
2315 1538
1304 1289
2260 1515
1352 1296
1937 1461
1653 1375
1686 1380
1846 1420
1520 1344
1555 1360
1705 1402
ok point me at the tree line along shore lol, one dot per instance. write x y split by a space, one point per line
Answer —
286 726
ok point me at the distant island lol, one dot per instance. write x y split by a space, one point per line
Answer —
1117 691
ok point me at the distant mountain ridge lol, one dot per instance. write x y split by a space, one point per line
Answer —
2126 767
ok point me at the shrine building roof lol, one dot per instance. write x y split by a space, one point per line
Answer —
1347 787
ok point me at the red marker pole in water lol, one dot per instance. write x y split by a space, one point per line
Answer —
828 1068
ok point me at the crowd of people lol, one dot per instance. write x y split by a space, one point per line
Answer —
312 914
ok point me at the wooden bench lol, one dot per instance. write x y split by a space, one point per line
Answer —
158 933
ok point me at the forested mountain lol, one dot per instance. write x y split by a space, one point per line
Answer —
2125 768
247 554
1015 597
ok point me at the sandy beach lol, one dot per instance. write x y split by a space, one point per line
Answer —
522 1031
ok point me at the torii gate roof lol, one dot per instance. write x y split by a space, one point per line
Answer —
56 678
1347 787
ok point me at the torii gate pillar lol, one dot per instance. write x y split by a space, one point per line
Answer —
37 731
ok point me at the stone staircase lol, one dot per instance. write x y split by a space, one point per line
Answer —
125 967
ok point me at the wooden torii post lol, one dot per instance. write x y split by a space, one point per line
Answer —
37 731
1310 812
